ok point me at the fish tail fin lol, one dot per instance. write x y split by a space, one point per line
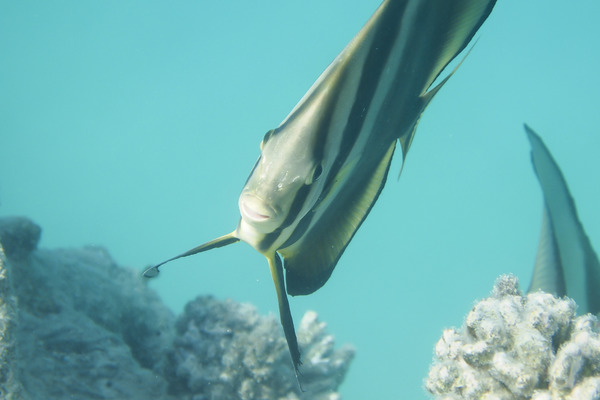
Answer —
218 242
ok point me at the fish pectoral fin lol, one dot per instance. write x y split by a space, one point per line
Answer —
457 24
425 98
460 29
310 260
284 313
218 242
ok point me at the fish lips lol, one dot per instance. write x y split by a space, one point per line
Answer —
258 214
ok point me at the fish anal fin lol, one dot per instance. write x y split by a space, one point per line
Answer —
310 260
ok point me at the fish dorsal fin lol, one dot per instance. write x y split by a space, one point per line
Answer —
577 258
547 272
310 260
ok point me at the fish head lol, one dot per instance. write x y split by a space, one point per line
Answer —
280 181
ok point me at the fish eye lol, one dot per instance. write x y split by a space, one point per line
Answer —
316 174
266 138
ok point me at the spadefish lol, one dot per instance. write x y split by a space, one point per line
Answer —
321 171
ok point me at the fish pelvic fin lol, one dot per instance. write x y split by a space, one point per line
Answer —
213 244
285 315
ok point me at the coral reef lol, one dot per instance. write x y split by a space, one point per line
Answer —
74 324
19 237
8 383
519 347
83 327
245 355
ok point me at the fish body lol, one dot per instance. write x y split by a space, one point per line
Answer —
566 263
321 171
323 168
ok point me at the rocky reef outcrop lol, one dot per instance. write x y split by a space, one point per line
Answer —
74 324
519 347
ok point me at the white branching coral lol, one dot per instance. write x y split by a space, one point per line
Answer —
519 347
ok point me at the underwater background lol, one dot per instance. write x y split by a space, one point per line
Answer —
134 125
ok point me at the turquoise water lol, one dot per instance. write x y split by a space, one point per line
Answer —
133 125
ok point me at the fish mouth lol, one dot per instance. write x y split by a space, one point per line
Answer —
254 210
253 214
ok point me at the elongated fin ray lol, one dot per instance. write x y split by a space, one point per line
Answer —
579 263
310 261
213 244
285 315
